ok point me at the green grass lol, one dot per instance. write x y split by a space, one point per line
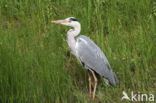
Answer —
35 63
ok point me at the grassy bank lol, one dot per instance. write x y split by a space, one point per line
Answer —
35 63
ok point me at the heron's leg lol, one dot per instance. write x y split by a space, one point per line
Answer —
95 83
90 81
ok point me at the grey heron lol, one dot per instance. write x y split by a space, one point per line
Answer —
88 53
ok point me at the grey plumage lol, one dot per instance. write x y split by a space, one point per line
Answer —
93 58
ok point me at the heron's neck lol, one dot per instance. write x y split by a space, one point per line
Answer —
72 33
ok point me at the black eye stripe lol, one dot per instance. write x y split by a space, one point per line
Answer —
73 19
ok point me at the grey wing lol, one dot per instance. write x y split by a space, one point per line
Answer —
92 57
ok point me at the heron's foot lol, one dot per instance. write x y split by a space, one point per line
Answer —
90 95
93 96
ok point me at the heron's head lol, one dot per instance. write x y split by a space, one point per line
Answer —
70 21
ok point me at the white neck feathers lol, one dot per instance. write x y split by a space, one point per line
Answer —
71 34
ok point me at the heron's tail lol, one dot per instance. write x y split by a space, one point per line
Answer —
114 79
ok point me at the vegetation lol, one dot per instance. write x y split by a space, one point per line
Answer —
37 67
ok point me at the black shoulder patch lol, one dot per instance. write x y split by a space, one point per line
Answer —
83 64
73 19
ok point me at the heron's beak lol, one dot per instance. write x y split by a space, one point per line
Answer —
59 21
